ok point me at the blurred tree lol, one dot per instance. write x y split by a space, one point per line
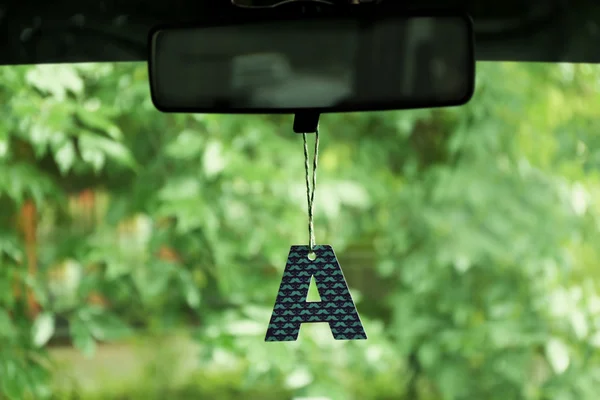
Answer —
466 234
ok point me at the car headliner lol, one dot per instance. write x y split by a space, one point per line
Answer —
42 31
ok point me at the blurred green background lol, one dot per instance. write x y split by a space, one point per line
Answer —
142 252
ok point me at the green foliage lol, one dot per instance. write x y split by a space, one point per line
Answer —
466 235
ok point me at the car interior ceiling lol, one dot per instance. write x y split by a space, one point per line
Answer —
95 31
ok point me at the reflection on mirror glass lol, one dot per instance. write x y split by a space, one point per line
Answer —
422 61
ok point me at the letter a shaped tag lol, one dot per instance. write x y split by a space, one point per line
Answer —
336 306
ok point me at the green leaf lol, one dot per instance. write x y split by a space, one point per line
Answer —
40 137
188 144
92 146
12 377
181 188
95 120
82 337
451 380
213 159
37 381
428 355
557 353
92 155
42 329
4 141
55 79
7 328
190 290
107 327
65 156
116 268
9 245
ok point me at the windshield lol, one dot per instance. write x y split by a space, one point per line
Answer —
142 252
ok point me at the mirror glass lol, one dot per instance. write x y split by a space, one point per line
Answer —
326 64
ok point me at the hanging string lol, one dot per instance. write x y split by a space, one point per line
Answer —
310 189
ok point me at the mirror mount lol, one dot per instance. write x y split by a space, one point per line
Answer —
306 122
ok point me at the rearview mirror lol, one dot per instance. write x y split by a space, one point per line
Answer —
325 64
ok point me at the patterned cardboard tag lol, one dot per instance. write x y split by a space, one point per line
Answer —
336 306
